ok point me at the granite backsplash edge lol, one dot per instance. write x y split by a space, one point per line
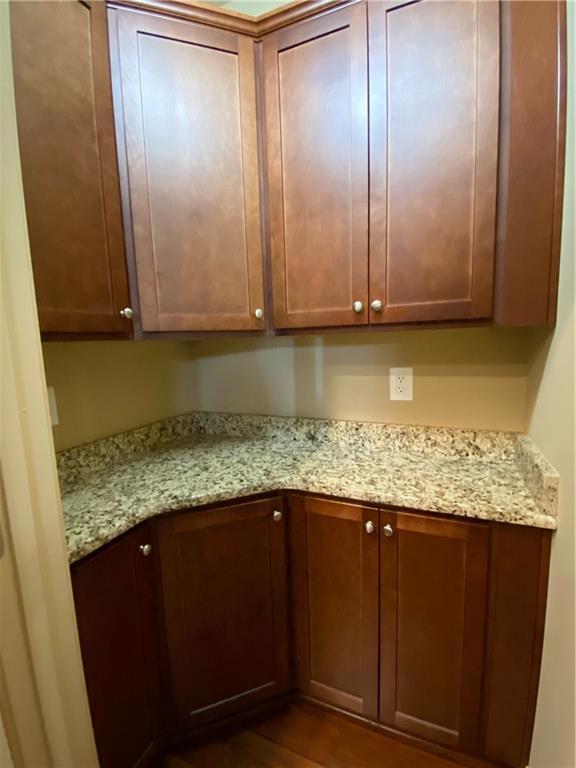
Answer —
541 478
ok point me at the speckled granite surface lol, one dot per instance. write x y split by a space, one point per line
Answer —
111 485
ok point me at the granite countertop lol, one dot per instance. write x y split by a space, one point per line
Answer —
113 484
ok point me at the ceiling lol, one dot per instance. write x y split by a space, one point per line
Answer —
250 7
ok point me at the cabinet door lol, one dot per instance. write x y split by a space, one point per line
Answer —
69 167
335 602
225 595
317 136
188 97
116 609
432 615
434 91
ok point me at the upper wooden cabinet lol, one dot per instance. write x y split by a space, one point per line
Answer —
69 167
187 112
317 140
374 161
434 71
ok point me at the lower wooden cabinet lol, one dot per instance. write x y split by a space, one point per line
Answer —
335 602
433 586
518 584
116 609
429 627
224 579
395 598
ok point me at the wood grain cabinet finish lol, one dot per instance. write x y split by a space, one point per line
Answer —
433 594
118 623
434 96
224 576
335 602
427 627
317 142
402 159
518 584
188 116
531 161
69 166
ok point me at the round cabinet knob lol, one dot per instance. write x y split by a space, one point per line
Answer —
146 549
258 313
127 313
376 305
369 527
388 530
357 307
276 515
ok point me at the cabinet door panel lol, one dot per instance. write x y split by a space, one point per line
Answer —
434 77
115 596
335 602
69 168
316 107
224 576
432 615
189 105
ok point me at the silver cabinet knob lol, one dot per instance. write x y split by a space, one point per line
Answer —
376 305
388 530
146 549
369 527
127 313
357 307
258 313
276 515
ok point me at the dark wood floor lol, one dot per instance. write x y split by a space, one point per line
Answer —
303 737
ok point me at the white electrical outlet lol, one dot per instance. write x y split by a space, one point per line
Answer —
53 406
401 387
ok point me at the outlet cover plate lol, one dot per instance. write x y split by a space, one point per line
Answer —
401 383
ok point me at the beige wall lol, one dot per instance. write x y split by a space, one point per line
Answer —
5 754
552 388
472 377
107 387
463 378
